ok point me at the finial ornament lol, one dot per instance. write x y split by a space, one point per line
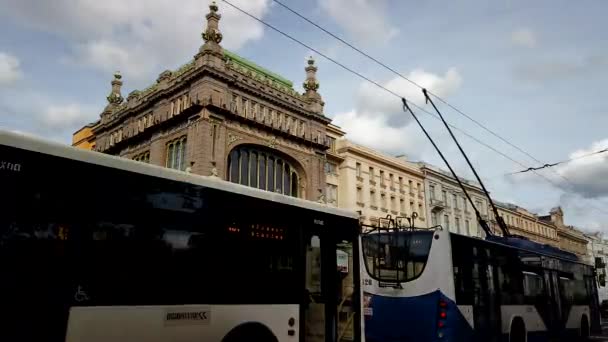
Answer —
115 97
212 32
213 7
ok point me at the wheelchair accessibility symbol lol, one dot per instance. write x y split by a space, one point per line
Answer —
80 295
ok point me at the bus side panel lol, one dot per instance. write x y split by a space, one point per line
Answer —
415 318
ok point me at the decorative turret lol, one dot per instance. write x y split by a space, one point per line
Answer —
115 98
212 35
311 85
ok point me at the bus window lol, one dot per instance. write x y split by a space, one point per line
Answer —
397 257
315 310
346 304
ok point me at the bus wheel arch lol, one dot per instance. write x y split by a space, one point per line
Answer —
584 329
250 331
517 330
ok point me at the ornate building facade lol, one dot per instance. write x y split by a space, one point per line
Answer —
221 115
447 205
524 223
377 185
570 238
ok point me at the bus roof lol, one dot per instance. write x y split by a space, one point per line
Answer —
503 243
35 144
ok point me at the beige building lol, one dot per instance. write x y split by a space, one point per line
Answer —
220 114
377 184
524 223
446 202
570 238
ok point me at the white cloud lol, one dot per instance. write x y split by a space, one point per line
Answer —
523 37
109 57
376 133
378 121
66 116
588 176
373 101
10 70
366 21
136 35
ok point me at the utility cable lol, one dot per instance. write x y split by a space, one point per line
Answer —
286 35
395 72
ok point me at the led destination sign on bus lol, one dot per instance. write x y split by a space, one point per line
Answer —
260 231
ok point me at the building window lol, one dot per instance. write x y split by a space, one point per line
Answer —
245 107
263 170
400 183
446 222
359 195
382 178
176 154
444 197
411 207
143 157
432 191
331 168
410 186
458 225
358 169
383 201
372 198
332 194
419 189
465 205
467 227
434 219
391 179
393 203
420 212
480 207
455 201
331 142
402 205
371 174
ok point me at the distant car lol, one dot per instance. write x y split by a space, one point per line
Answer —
604 309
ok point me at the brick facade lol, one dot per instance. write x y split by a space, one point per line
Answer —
220 101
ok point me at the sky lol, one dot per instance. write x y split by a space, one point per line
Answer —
534 73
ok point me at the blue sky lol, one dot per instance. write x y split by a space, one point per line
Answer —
534 72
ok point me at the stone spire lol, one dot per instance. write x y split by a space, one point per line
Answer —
115 98
311 85
212 35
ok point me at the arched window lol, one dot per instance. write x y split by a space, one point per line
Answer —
263 170
176 154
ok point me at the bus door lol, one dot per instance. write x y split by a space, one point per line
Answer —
486 302
331 304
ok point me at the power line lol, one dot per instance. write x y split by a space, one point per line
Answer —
384 65
388 90
560 162
371 81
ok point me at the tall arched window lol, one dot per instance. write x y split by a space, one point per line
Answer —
263 170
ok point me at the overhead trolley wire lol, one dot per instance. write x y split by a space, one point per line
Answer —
358 74
392 70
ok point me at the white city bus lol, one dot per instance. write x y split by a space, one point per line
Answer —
432 285
97 248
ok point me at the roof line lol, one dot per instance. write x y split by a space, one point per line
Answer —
59 150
